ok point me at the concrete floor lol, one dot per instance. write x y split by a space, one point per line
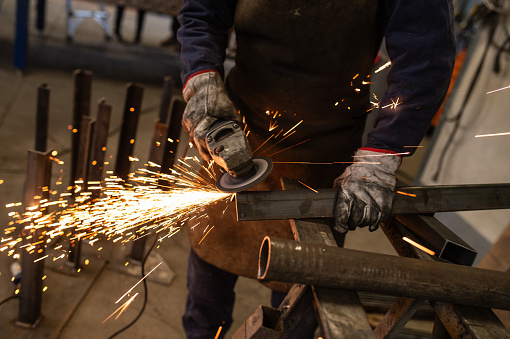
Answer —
75 305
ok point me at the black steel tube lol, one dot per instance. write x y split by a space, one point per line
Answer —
81 107
326 266
173 133
438 238
132 107
98 147
166 99
32 268
87 128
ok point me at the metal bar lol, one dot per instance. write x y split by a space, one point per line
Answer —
260 325
156 157
397 317
498 259
340 312
90 164
161 126
446 244
157 147
98 148
469 322
81 107
84 148
293 307
87 128
267 322
166 99
36 188
320 265
132 109
174 132
166 158
299 204
43 104
439 331
457 323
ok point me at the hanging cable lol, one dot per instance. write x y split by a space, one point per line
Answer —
490 19
8 298
144 289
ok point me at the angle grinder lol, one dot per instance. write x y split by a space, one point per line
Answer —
229 148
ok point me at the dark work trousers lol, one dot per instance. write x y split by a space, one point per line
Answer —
211 300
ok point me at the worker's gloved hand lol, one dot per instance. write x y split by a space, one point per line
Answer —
366 190
207 102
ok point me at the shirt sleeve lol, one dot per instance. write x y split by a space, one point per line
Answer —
204 35
420 42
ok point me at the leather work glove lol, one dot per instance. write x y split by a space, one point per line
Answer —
207 102
367 189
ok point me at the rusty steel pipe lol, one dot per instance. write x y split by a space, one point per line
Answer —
334 267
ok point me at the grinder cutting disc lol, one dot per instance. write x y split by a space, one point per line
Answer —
262 168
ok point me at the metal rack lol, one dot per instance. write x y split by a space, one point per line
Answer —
330 276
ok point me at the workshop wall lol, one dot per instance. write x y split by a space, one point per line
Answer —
456 155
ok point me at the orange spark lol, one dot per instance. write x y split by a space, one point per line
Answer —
393 104
303 162
296 125
41 258
299 143
307 186
383 67
218 333
121 308
381 155
499 89
421 247
408 194
139 281
491 135
205 235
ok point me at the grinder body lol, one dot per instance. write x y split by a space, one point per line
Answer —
228 147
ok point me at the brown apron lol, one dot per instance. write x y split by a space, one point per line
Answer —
295 60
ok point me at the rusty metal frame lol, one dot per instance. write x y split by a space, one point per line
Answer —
455 321
36 188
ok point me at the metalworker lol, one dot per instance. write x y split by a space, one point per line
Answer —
306 60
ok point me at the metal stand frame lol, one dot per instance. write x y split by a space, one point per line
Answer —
340 312
38 181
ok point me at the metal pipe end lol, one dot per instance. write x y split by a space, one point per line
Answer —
264 255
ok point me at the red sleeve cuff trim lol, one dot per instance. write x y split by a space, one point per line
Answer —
197 73
381 151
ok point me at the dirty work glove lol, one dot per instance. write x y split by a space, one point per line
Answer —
366 190
207 102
